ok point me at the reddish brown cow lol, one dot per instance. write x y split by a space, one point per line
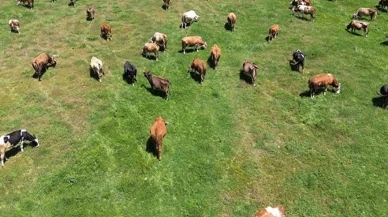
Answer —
167 4
30 3
150 47
232 19
90 13
41 64
215 55
277 211
198 66
273 32
106 32
323 81
193 41
157 133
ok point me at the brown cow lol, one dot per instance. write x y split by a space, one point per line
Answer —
158 83
361 12
41 64
232 18
215 56
90 13
166 4
355 24
323 81
106 32
250 69
14 25
198 66
30 3
157 133
277 211
193 41
160 39
273 32
150 47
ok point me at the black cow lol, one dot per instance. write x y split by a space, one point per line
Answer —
298 59
130 72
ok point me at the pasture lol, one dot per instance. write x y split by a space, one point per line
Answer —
230 148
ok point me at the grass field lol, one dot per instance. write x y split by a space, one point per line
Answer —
231 148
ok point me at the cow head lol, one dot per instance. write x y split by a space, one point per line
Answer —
336 86
36 140
147 74
52 61
196 18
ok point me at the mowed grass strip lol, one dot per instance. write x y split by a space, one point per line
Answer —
231 148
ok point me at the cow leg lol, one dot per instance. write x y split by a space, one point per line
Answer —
2 155
196 48
21 145
324 91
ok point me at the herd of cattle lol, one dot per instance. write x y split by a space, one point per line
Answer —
158 42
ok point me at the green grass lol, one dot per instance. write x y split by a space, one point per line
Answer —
231 148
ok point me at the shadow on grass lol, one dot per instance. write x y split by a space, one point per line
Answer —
158 93
385 43
304 18
305 93
195 76
353 33
245 77
149 57
228 27
191 50
210 62
380 101
128 80
151 147
93 75
294 67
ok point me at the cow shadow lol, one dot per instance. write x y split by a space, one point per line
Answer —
385 43
187 25
151 147
306 93
89 18
210 63
14 31
164 7
353 33
128 80
245 77
302 18
380 101
195 76
190 50
93 74
13 151
149 57
154 92
293 66
228 27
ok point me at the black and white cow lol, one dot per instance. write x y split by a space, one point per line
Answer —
130 72
298 59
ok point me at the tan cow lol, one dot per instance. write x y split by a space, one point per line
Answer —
90 13
193 41
277 211
361 12
106 32
150 47
215 55
323 81
198 66
96 67
273 32
250 69
41 64
232 19
157 133
355 24
14 25
161 40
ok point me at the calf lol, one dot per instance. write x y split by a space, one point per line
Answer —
232 18
157 133
30 3
298 59
106 32
14 25
303 9
96 68
41 64
161 40
90 13
361 12
188 18
166 4
130 72
355 24
198 66
273 32
215 56
323 81
150 47
193 41
277 211
250 70
158 83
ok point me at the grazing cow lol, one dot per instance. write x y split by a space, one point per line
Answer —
161 40
96 67
188 18
383 4
167 4
193 41
158 83
12 139
361 12
150 47
90 13
355 24
215 56
273 32
198 66
14 25
277 211
130 72
250 69
323 81
106 32
157 133
30 3
298 59
303 9
41 64
232 18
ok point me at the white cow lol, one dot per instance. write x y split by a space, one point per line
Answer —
189 17
15 26
96 66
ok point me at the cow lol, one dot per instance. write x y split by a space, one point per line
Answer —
277 211
188 18
232 19
161 40
323 81
41 63
106 32
12 139
14 25
166 4
130 72
158 83
198 66
193 41
90 13
250 69
303 9
383 4
95 67
273 32
215 56
150 47
298 59
296 3
30 3
361 12
157 133
355 24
